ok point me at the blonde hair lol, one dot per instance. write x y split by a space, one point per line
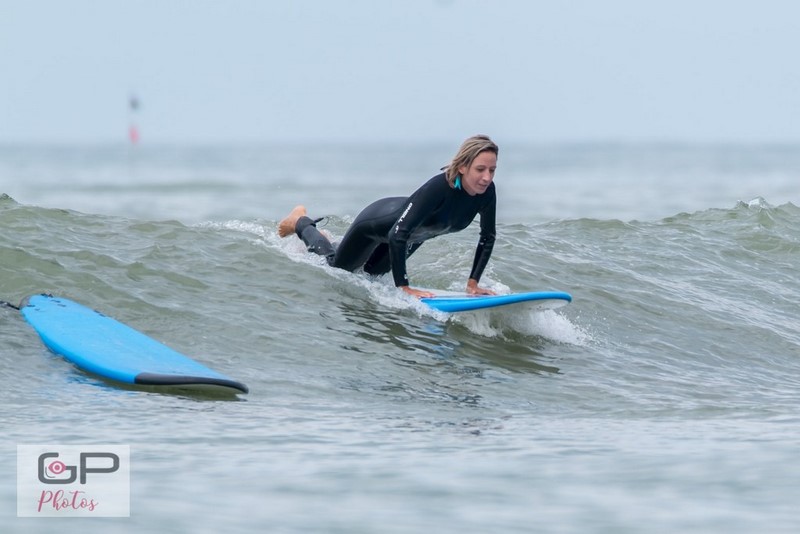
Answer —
467 153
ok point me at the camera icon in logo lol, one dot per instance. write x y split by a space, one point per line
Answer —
56 472
56 468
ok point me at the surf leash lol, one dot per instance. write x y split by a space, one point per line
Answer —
5 304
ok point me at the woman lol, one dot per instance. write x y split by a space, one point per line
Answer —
389 230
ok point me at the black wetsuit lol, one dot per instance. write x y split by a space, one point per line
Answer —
389 230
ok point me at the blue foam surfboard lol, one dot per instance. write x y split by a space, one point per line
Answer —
101 345
450 302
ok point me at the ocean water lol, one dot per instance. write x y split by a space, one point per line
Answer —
665 398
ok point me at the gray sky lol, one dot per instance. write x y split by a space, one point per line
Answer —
400 70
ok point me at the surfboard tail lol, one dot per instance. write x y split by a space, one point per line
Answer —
154 379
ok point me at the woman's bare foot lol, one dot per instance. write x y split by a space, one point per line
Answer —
287 225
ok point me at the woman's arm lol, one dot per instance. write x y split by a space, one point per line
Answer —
421 204
485 245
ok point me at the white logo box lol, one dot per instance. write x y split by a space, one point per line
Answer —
73 480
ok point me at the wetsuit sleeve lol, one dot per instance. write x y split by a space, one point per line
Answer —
486 241
423 202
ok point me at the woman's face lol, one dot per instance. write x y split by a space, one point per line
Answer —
477 178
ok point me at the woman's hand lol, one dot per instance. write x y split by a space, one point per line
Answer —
419 293
473 289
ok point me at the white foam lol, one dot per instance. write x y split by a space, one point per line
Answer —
548 324
239 226
551 325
